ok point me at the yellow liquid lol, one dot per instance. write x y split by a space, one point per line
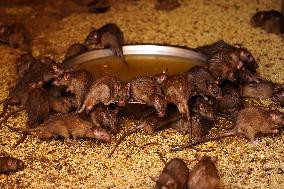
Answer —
138 65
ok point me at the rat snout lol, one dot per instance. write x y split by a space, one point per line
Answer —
101 134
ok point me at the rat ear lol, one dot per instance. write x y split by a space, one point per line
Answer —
209 86
128 85
66 76
170 183
165 71
214 159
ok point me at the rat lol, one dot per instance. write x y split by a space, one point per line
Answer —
204 175
178 91
146 90
250 121
203 82
231 102
205 107
62 104
99 6
278 96
240 59
150 123
77 82
105 117
227 64
212 49
261 90
166 5
221 71
67 126
38 72
75 50
106 90
10 164
174 175
234 55
245 56
23 64
246 76
198 127
109 36
15 35
271 21
37 108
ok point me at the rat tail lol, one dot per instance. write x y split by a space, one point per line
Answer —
162 158
124 135
5 108
9 115
2 101
25 133
21 140
203 140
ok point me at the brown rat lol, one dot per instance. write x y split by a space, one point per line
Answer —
67 126
10 164
205 107
174 175
19 94
166 5
15 35
278 96
231 102
37 106
227 64
109 36
99 6
77 82
246 76
106 90
198 127
23 64
146 90
62 104
204 175
105 117
38 72
178 91
221 71
203 82
234 56
250 122
150 123
212 49
271 21
263 89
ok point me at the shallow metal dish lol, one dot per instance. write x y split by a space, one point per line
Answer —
141 49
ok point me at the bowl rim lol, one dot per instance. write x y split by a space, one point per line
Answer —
138 49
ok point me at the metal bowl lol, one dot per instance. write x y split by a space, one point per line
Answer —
141 49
